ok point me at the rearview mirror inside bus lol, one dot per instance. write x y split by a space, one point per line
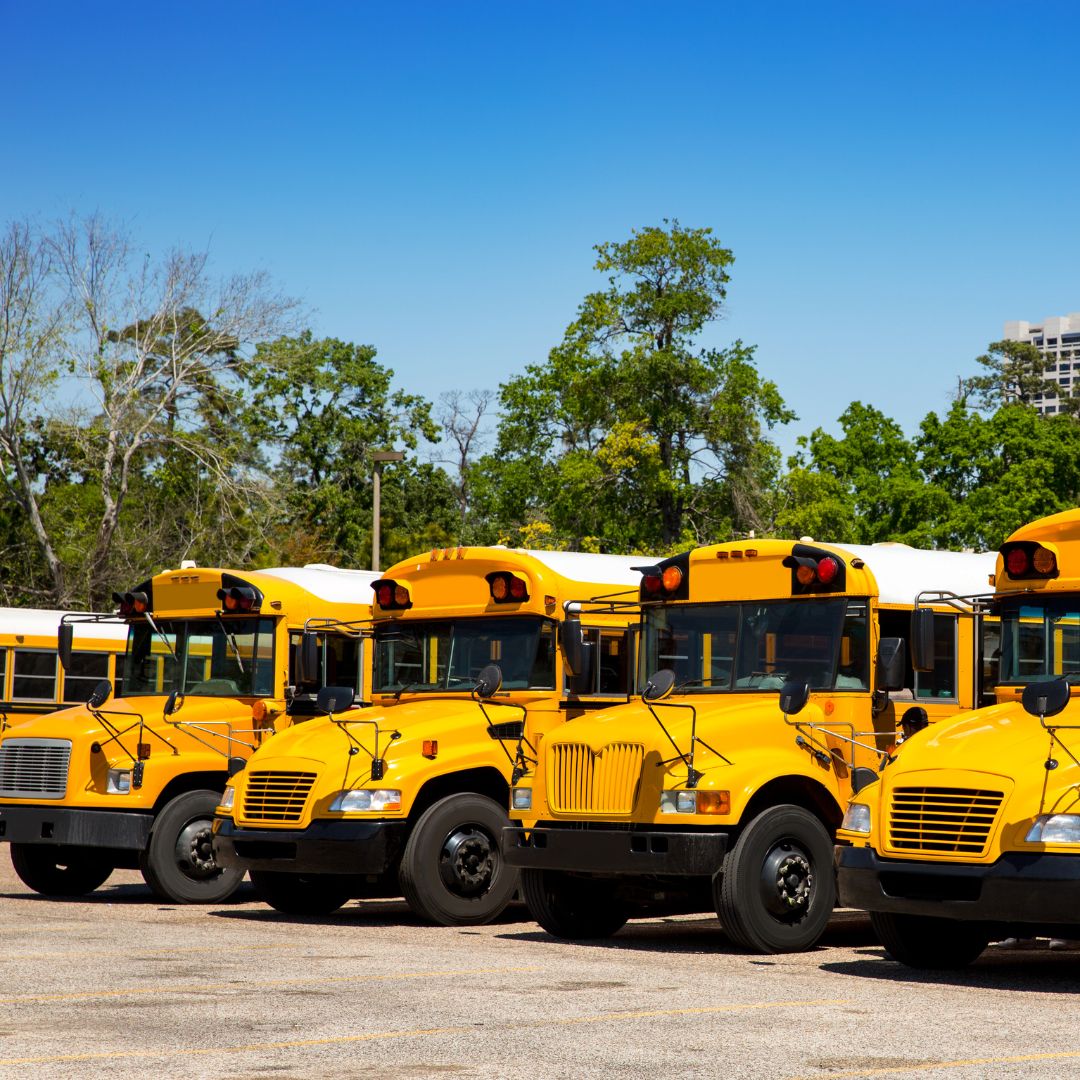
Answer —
891 663
922 639
65 637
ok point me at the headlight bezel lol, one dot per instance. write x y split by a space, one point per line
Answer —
1064 829
118 782
858 819
366 801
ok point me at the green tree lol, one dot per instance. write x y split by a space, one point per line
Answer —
323 406
633 435
1014 373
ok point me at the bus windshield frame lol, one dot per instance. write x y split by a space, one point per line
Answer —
1040 639
409 651
206 651
754 646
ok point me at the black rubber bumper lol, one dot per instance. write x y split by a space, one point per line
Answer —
1020 887
74 827
324 847
615 851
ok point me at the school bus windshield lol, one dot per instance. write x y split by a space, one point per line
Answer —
1040 640
743 647
209 657
448 654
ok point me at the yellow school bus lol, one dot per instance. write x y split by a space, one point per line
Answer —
32 682
131 778
775 681
973 833
410 795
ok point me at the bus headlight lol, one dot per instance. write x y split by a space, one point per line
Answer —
119 782
857 818
365 799
1055 829
522 798
227 798
703 801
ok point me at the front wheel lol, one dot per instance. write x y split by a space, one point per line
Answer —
179 864
573 908
777 888
300 894
59 871
922 941
452 871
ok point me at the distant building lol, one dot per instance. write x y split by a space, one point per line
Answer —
1058 339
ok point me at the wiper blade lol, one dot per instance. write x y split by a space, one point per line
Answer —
157 630
230 637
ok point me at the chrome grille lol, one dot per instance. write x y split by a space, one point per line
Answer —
942 819
34 768
277 796
583 781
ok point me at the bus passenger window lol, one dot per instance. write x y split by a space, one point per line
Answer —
87 669
34 675
613 668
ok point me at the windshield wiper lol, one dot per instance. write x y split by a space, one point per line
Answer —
164 639
230 637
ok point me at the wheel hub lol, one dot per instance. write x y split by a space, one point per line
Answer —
467 861
195 850
787 881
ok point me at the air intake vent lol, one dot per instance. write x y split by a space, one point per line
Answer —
276 796
34 768
942 820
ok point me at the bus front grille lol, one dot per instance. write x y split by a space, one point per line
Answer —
942 819
34 768
604 782
277 796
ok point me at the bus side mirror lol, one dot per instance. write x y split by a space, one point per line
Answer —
660 684
922 639
1048 698
100 694
488 681
891 663
172 703
914 720
578 655
307 659
334 699
65 637
794 695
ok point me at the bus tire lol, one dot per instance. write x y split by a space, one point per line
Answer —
179 862
575 908
53 871
922 941
452 871
777 889
300 894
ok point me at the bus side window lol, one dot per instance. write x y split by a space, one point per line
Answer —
941 682
34 675
613 666
990 652
3 673
86 671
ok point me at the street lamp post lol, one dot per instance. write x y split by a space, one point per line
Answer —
379 457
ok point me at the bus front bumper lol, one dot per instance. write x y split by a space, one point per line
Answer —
615 851
75 827
1021 887
324 847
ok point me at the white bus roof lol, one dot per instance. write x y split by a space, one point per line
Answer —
328 582
44 623
903 572
589 568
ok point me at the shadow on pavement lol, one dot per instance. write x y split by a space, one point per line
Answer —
365 913
1040 970
128 893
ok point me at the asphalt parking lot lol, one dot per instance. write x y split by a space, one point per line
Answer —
122 985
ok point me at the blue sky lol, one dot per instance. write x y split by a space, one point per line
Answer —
895 179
